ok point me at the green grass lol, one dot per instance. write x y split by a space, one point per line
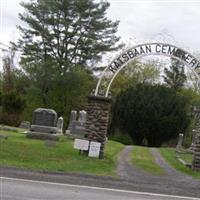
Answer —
170 155
187 157
142 158
22 152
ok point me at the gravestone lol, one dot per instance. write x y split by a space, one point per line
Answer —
76 127
82 117
180 142
191 148
25 125
73 117
94 150
60 125
44 120
80 144
44 125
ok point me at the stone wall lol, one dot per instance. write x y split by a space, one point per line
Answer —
98 109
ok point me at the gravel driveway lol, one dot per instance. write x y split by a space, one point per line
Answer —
173 180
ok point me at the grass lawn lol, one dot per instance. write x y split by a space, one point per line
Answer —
187 157
142 158
22 152
170 155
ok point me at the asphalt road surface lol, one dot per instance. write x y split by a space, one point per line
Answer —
21 189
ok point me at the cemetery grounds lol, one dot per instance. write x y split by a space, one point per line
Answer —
60 156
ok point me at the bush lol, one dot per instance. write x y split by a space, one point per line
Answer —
151 115
12 103
121 137
12 107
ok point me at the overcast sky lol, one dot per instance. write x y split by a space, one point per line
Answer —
175 22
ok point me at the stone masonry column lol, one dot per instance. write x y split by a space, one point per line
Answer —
196 145
98 109
196 160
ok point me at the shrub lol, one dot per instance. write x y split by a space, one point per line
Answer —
121 137
12 107
151 115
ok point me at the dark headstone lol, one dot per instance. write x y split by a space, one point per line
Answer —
45 117
44 120
73 117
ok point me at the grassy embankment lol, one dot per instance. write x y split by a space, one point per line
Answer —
143 159
22 152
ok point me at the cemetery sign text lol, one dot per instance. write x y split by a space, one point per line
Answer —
154 49
142 50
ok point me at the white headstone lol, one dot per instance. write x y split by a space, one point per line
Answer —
60 124
180 141
94 149
82 117
81 144
73 115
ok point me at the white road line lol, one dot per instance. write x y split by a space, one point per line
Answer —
101 188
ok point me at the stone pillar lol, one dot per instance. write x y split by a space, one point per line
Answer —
98 109
196 149
196 160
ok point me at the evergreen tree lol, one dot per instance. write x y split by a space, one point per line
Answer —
60 37
150 114
65 33
175 76
8 71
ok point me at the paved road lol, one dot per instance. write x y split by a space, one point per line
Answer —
19 189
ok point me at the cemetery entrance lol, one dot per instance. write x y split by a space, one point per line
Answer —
99 103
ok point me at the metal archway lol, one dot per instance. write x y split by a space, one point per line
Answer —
139 51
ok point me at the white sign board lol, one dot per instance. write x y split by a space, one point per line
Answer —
81 144
94 149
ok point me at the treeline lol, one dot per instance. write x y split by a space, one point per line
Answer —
61 42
